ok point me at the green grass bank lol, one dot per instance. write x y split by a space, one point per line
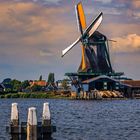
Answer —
38 95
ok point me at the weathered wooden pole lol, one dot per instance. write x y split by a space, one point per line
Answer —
14 124
46 122
46 116
14 114
32 124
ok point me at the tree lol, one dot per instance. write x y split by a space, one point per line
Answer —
7 81
40 78
8 85
16 84
35 88
51 78
25 84
64 84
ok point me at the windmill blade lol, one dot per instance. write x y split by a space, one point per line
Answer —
94 25
89 31
81 20
70 47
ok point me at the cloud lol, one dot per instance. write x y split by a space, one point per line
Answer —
32 24
32 36
104 1
106 10
136 15
55 2
45 53
113 30
127 44
52 1
135 3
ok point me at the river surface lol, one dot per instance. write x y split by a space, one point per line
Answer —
81 120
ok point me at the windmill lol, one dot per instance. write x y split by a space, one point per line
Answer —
95 51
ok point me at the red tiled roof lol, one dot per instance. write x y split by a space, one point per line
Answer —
39 83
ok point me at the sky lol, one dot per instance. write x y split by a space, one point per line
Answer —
34 32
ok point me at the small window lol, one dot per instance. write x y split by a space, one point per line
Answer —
105 83
117 83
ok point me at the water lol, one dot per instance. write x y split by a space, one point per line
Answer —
82 120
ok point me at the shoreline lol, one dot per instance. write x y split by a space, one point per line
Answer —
36 95
51 95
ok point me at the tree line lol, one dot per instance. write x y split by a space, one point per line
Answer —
14 85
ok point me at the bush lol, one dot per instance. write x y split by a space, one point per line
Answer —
8 95
31 95
16 95
44 95
2 96
25 95
35 88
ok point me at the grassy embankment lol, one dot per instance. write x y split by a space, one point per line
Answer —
51 95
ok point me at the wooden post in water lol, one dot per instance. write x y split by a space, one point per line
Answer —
14 125
46 116
14 115
32 124
46 122
31 130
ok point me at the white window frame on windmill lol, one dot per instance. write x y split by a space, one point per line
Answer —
105 85
117 84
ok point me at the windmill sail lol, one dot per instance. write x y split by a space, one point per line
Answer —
81 20
94 25
85 64
70 47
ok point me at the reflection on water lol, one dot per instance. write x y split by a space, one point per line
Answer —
81 120
23 137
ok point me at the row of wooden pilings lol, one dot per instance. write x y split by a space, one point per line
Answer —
86 95
95 94
32 129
